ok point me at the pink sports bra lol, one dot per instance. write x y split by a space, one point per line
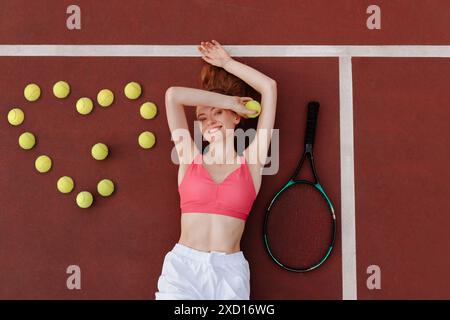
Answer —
233 197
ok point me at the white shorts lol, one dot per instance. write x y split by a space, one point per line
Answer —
190 274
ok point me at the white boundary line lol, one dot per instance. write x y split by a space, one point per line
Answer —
348 226
234 50
345 54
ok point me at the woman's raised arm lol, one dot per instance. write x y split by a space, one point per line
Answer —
176 98
215 54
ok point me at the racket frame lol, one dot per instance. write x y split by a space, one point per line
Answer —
308 153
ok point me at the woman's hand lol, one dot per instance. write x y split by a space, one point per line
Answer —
214 53
238 106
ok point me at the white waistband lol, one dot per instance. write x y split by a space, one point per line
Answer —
213 256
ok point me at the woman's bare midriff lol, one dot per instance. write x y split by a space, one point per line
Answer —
211 232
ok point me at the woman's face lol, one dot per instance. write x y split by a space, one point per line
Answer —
214 122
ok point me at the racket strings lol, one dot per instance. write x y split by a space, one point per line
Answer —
299 226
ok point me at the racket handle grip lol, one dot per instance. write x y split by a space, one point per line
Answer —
313 111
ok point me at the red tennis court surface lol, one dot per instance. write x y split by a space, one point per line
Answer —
381 147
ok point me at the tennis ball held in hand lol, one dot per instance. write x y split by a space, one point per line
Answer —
253 105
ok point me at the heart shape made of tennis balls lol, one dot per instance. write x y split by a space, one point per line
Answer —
100 151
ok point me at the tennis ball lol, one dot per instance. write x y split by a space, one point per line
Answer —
43 163
65 184
105 97
32 92
146 139
99 151
253 105
148 110
105 187
61 89
84 105
133 90
84 199
27 140
16 116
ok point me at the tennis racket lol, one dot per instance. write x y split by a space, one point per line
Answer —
299 222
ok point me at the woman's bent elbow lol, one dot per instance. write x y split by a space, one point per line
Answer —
273 83
170 94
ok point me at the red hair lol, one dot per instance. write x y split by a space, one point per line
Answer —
217 79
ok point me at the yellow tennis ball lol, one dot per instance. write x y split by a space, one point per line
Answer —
133 90
253 105
105 97
61 89
27 140
84 105
148 110
84 199
65 184
99 151
16 116
43 163
105 187
32 92
146 139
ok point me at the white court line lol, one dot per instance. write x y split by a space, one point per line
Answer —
345 53
348 226
234 50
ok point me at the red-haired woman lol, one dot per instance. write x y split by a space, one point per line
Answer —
217 187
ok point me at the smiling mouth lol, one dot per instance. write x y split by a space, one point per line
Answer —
213 130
